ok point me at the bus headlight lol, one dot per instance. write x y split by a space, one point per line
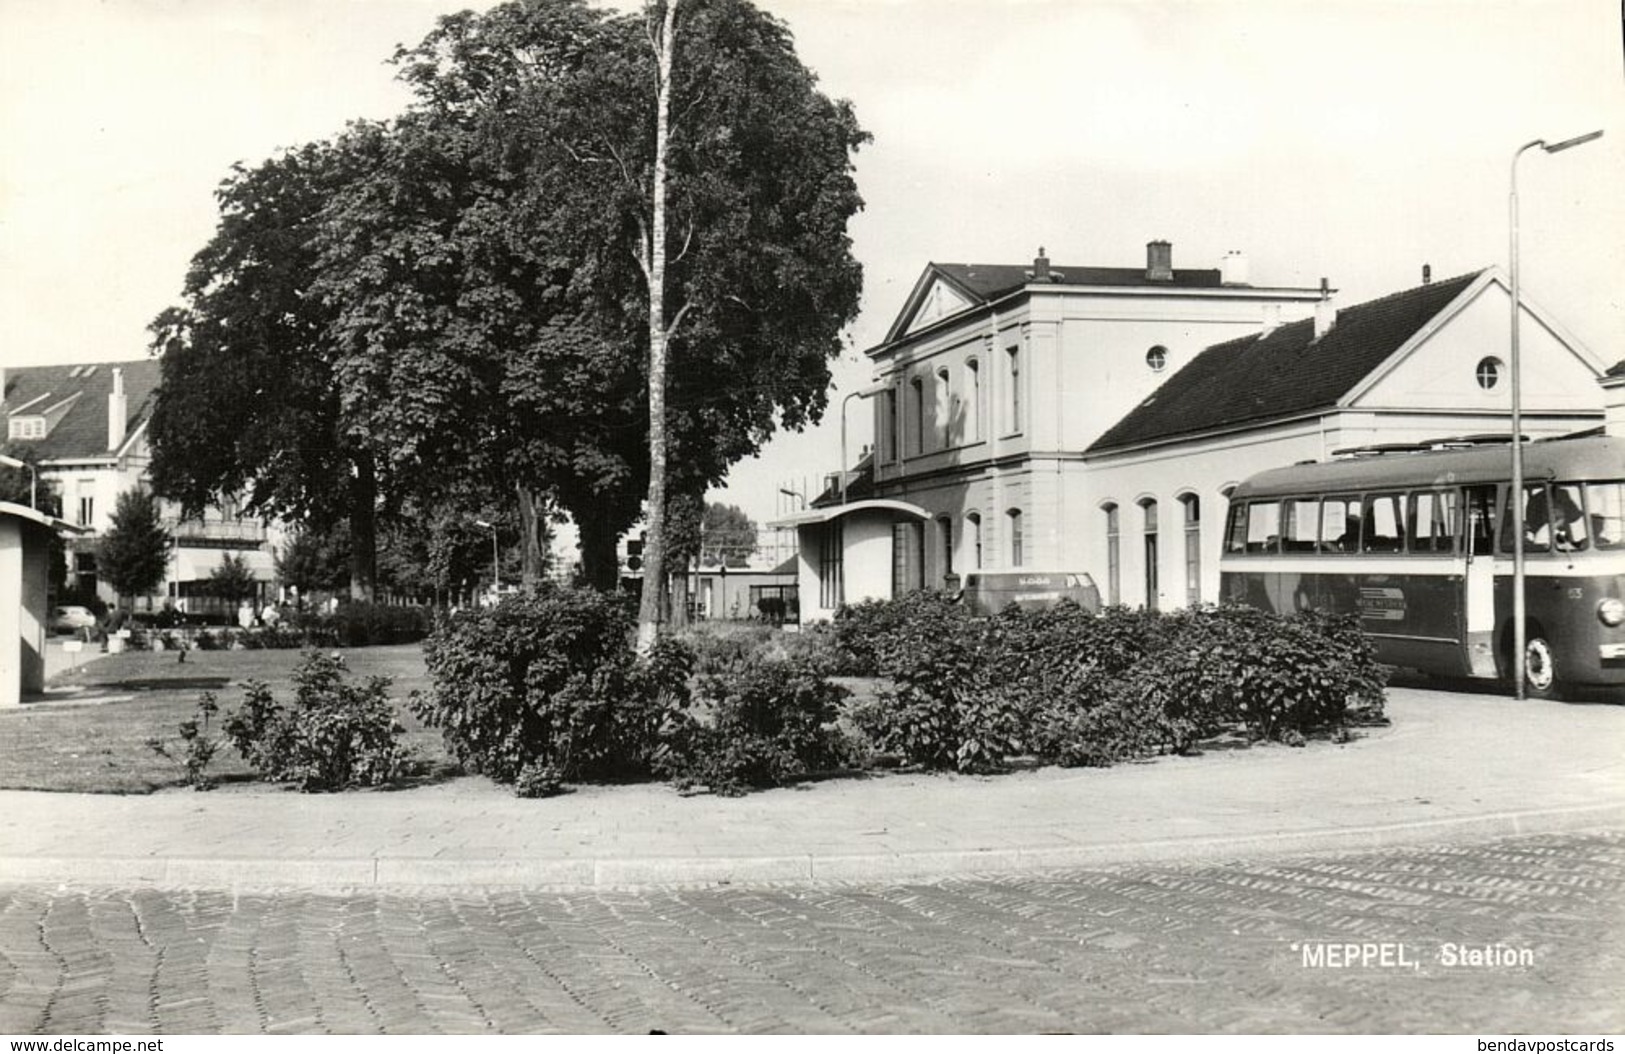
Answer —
1611 611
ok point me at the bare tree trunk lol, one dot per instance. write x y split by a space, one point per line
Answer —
599 565
654 545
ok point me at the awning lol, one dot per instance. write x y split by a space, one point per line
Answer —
812 517
34 516
195 564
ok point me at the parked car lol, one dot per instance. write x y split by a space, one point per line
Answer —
71 618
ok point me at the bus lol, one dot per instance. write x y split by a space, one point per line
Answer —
1418 543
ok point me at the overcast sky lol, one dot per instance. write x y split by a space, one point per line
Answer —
1351 139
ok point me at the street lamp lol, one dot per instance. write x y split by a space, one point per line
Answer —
787 492
1520 657
864 394
33 477
495 581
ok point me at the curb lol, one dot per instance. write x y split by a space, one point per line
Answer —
387 872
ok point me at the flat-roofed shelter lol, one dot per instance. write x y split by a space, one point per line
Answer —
25 547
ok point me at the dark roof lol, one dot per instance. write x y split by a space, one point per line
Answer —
1285 372
82 431
991 281
1616 370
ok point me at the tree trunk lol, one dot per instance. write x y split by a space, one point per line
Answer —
599 563
533 547
654 545
363 531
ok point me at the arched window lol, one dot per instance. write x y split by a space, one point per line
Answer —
1193 548
973 401
1012 357
945 408
973 530
1114 555
945 542
1016 554
1149 507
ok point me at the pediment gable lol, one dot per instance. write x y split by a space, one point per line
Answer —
936 296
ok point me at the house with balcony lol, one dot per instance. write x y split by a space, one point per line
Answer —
83 428
1091 420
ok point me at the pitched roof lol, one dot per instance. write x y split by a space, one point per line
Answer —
860 484
990 281
82 430
1616 370
1285 372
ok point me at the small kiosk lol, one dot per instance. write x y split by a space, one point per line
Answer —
25 547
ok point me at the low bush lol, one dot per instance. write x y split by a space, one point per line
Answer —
336 735
551 678
197 748
758 724
1069 687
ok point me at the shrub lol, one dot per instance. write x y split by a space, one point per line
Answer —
722 646
758 725
197 748
335 736
867 634
550 678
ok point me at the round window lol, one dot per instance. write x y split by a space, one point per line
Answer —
1157 358
1489 372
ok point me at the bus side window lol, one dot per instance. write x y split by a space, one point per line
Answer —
1340 525
1300 525
1606 503
1569 527
1433 521
1384 524
1235 536
1480 521
1264 527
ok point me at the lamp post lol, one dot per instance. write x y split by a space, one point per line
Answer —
33 477
1520 656
495 581
864 394
796 494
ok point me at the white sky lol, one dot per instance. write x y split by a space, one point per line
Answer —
1354 139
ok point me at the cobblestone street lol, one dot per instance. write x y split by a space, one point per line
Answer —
1130 949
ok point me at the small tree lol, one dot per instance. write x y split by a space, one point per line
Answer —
232 581
134 552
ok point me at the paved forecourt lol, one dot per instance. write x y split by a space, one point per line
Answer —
1515 935
1451 766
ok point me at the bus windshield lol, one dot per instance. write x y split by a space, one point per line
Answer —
1569 517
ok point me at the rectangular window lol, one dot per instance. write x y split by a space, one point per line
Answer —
916 410
1300 525
945 534
831 570
1605 502
1015 538
1340 525
1013 361
1264 527
945 409
973 401
888 425
1152 577
908 558
1193 550
1433 522
1384 524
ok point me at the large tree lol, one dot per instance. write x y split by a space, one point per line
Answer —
249 400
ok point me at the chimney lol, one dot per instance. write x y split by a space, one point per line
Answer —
1233 269
1325 311
1041 266
118 411
1159 261
1427 274
1272 318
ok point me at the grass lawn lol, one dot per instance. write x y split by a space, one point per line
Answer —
101 746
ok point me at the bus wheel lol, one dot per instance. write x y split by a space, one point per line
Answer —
1540 668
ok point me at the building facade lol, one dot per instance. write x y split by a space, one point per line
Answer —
84 429
1093 419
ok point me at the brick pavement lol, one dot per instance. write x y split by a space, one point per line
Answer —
1141 947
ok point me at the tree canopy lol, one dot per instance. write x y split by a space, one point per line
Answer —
133 553
453 302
